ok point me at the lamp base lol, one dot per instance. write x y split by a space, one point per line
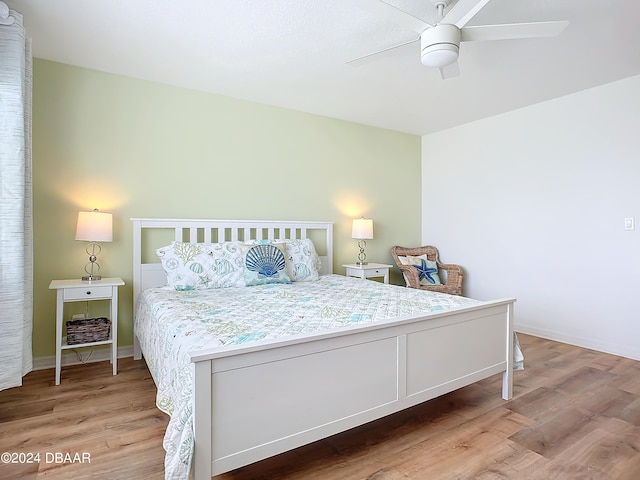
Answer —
93 267
361 256
91 278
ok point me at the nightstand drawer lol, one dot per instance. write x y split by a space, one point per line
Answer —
376 273
368 270
90 292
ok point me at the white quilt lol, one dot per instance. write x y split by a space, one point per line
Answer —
171 324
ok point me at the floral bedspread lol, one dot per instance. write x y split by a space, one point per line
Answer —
170 324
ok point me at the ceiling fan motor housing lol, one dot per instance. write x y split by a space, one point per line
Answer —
440 45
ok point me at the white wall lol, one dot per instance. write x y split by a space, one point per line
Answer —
532 204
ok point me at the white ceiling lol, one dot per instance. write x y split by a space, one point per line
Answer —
293 53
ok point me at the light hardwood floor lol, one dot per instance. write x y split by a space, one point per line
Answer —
575 414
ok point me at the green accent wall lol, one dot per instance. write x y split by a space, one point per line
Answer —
140 149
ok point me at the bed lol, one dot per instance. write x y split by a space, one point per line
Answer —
248 396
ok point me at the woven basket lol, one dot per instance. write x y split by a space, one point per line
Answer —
88 330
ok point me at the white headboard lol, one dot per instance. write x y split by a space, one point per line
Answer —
148 273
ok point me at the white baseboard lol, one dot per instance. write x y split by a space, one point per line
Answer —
629 352
69 357
81 355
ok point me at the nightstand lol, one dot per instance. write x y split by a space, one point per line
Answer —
369 270
82 291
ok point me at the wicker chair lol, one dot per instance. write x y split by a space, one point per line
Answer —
452 278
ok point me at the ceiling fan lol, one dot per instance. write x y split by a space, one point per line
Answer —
440 43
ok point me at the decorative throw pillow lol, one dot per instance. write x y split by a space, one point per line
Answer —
264 262
199 266
302 261
427 270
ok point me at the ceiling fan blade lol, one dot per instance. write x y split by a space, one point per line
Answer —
463 11
509 31
450 71
380 53
394 14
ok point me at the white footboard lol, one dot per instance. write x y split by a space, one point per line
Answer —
253 403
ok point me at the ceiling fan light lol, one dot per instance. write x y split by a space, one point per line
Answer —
439 55
439 45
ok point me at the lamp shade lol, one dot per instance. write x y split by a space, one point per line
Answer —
94 226
362 228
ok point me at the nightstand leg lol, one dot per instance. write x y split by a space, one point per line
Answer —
114 330
59 314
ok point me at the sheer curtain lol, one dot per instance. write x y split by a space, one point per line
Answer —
16 233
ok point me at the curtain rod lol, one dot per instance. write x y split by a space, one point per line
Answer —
5 17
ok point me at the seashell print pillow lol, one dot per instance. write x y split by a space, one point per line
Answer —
264 262
303 263
199 266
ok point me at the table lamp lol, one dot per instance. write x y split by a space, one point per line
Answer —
94 227
362 229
